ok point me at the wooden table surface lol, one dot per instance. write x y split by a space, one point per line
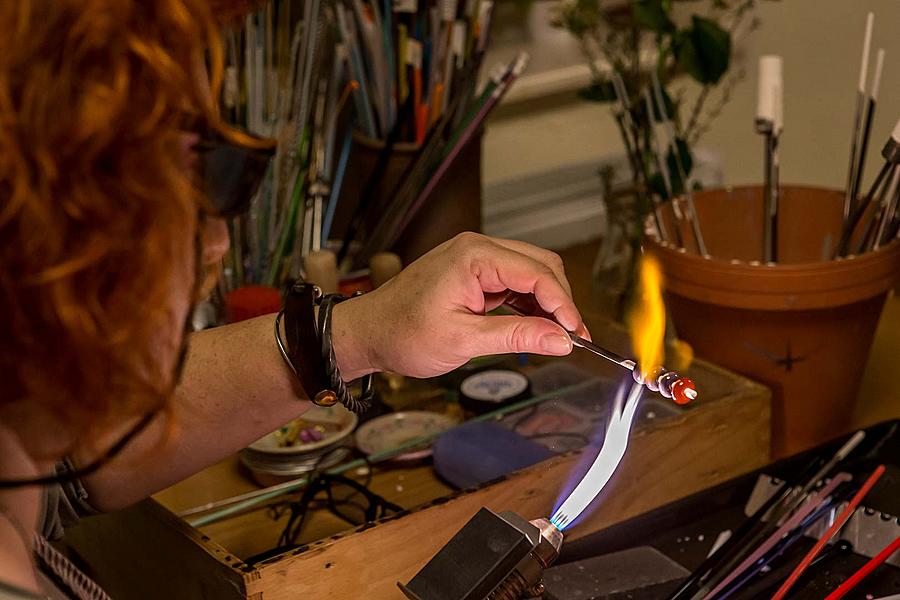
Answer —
145 552
408 486
403 485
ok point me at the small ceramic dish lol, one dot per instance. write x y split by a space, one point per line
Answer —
394 429
316 440
334 424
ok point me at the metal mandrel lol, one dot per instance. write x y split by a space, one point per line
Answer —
668 383
769 123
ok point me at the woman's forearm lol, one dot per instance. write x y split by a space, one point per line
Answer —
429 319
235 388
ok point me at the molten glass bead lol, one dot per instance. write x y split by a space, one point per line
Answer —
683 391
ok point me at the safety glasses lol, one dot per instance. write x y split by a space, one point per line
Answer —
231 173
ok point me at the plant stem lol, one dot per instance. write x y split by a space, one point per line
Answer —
636 58
591 60
628 149
695 112
715 111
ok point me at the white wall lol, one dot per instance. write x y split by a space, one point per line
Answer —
525 135
820 41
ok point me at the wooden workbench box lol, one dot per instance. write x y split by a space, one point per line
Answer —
148 552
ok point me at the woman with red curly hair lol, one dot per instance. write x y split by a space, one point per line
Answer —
107 241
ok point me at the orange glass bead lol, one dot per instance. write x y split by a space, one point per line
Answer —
683 391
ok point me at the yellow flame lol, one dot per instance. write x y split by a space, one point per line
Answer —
684 355
647 318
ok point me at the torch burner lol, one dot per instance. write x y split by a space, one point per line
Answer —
493 557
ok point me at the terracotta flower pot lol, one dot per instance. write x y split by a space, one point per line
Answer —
803 326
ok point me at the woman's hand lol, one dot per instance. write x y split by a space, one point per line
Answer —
430 318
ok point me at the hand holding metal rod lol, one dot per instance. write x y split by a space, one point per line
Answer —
668 383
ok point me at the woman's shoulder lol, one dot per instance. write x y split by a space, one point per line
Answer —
64 504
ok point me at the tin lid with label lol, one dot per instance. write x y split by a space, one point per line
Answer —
489 390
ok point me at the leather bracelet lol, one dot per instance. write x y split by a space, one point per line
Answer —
309 351
332 373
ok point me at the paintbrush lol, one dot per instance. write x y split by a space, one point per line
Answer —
886 212
857 119
873 224
891 154
458 141
411 179
439 142
375 176
867 128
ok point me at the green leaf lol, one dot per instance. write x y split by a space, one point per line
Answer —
658 185
600 91
686 55
653 15
704 51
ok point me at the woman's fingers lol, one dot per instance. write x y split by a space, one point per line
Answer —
547 257
498 268
552 260
512 334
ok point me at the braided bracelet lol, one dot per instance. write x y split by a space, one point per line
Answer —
332 374
309 351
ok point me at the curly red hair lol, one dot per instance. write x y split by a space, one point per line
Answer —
97 205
